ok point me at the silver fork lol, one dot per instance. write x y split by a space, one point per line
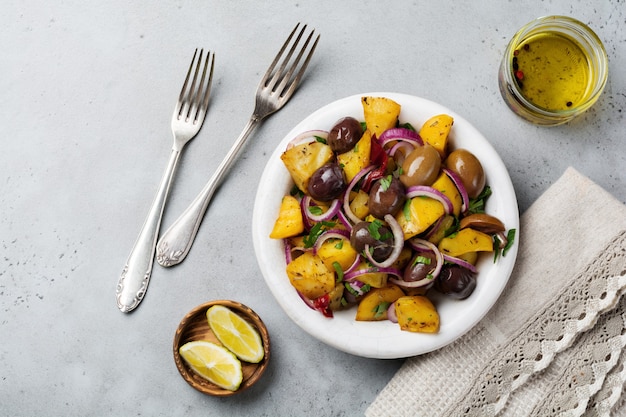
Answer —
274 90
187 119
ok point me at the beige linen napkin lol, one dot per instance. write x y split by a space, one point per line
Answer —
553 343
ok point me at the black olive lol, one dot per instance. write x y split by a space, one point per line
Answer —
420 267
344 135
387 196
381 245
456 281
327 182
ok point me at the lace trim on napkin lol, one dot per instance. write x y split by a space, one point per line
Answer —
597 352
592 292
609 395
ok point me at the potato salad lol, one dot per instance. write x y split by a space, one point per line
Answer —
382 213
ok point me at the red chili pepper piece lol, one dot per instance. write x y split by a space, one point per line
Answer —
378 157
519 75
322 304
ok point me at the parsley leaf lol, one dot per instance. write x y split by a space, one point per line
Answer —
385 182
381 309
374 229
477 205
338 270
315 232
406 210
510 239
419 259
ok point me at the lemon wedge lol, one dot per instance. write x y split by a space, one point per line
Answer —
235 333
214 363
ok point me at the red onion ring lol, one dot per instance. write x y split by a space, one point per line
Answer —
400 134
304 209
398 244
307 137
346 198
503 239
330 234
288 248
460 262
357 287
353 275
422 245
430 192
355 264
307 301
434 227
407 147
344 220
459 185
391 313
327 215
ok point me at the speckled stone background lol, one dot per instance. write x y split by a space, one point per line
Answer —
87 93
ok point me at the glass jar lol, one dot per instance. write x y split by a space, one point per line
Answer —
553 70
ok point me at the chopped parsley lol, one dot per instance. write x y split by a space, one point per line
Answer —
374 229
385 182
381 309
419 259
295 191
408 126
477 205
406 210
316 231
510 239
320 139
338 270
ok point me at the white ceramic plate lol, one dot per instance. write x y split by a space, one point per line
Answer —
384 339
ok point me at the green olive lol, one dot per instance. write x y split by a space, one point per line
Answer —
421 166
468 167
482 222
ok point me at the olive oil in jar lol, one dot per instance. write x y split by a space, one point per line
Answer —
552 71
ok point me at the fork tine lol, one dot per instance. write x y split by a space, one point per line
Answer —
280 73
183 90
189 96
277 80
296 80
205 99
200 100
270 70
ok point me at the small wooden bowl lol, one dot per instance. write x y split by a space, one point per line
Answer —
195 326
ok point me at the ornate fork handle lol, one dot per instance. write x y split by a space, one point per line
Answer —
133 282
177 240
188 116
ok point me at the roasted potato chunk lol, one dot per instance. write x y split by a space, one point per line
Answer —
303 160
380 114
417 314
289 222
308 274
435 132
374 305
